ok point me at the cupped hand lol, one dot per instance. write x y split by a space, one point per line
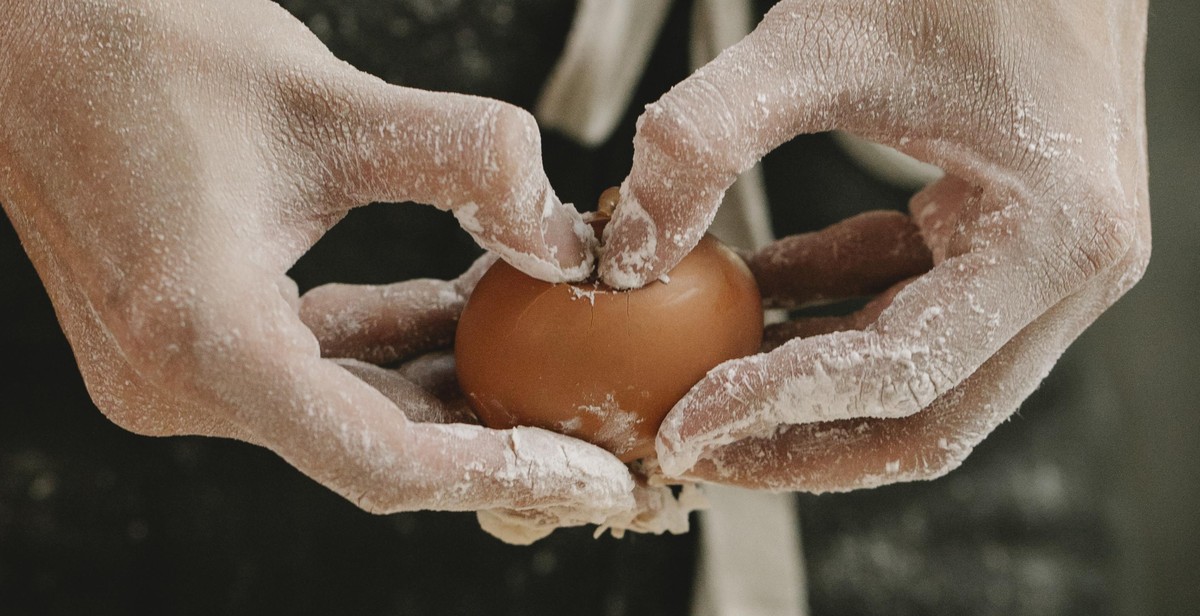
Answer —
165 163
411 322
1035 112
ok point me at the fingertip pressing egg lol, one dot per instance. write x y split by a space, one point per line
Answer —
600 364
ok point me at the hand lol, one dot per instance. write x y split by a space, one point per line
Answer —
366 325
1035 112
165 162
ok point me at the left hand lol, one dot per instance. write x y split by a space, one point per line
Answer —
361 326
1034 109
165 162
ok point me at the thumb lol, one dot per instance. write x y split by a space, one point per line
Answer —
787 77
476 157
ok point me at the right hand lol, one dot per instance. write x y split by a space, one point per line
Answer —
165 162
1035 109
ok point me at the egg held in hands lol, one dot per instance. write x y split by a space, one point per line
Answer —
600 364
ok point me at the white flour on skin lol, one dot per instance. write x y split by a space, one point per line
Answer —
365 319
835 376
1038 138
660 511
539 268
531 264
559 464
380 324
657 511
626 270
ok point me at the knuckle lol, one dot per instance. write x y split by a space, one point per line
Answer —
1098 237
307 105
511 149
1133 267
690 128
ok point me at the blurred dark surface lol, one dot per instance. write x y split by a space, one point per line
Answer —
1079 505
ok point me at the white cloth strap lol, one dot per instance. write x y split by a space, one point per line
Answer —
605 55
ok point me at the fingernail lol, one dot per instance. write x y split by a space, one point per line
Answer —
678 464
677 454
570 241
674 457
630 253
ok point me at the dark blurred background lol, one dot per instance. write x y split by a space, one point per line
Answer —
1084 503
1151 339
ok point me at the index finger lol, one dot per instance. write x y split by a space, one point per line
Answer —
694 141
922 77
349 437
476 157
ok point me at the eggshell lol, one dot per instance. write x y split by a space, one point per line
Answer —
599 364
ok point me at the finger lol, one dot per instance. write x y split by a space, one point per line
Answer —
934 210
861 453
380 324
657 510
244 353
383 323
348 436
479 158
417 404
435 373
859 256
777 334
937 331
787 77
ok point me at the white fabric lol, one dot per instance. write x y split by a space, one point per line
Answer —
606 52
750 556
886 163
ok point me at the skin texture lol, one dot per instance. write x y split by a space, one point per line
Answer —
1035 110
165 163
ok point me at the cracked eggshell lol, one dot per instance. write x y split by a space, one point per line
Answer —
598 364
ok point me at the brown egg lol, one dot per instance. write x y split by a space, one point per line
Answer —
599 364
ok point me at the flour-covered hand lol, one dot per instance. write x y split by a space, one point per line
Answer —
165 162
1035 112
